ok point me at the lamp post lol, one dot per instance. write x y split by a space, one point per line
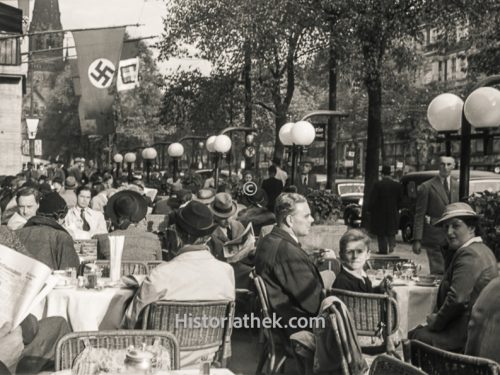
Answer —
201 145
222 145
117 158
148 154
482 111
175 151
130 159
209 144
297 135
32 124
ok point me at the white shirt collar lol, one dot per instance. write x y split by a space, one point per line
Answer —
472 240
363 273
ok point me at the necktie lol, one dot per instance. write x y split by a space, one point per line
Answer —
446 189
86 226
305 180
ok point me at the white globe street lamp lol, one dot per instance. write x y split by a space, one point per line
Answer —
481 111
175 151
299 134
130 159
148 154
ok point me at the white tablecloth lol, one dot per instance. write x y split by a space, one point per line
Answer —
86 309
414 303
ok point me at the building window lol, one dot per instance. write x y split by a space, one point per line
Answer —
453 68
440 70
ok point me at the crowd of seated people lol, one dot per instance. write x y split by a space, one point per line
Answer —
44 223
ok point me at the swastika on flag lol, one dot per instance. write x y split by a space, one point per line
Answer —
101 73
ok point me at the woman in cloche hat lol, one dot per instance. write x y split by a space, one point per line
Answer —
127 210
471 268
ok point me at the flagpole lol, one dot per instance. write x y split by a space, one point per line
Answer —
68 47
69 30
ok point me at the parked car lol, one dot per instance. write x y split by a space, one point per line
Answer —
350 192
479 181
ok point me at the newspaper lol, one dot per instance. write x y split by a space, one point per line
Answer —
240 247
24 282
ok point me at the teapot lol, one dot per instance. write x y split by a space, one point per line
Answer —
410 268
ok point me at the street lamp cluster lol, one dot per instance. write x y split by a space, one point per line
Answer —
448 113
296 135
218 145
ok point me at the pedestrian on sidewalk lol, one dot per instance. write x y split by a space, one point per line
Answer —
384 204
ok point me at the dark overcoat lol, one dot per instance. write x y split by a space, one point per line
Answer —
293 283
385 201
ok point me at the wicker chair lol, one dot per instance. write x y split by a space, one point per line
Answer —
276 348
69 346
387 365
131 267
163 315
438 361
375 315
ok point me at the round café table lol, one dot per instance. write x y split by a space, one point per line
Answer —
86 309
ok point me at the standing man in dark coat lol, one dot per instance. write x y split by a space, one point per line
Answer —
384 204
432 197
293 282
272 186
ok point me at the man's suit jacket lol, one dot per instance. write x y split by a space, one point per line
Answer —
293 282
312 183
431 201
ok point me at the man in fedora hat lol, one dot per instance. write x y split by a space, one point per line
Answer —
305 180
126 210
193 274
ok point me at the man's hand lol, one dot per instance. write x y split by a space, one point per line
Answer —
431 320
417 247
386 283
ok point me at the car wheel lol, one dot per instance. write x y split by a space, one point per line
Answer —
407 232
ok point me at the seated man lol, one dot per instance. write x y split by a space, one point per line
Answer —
354 252
27 200
32 345
45 238
293 283
224 208
82 222
194 273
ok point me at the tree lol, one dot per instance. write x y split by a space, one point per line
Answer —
137 111
276 35
61 129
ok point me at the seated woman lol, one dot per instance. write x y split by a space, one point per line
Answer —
472 267
354 252
126 210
